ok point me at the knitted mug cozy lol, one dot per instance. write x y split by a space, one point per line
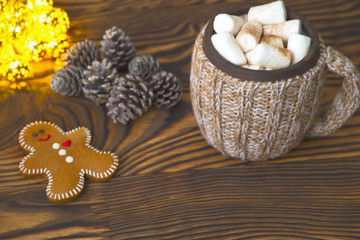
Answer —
260 120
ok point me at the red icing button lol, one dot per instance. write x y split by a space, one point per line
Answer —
67 143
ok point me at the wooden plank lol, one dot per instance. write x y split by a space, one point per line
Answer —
25 213
294 200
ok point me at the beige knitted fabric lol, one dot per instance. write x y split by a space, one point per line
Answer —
262 120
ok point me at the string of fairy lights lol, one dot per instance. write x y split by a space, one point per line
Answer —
29 31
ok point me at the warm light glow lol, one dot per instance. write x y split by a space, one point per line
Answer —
29 31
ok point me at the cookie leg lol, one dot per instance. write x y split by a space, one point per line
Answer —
65 186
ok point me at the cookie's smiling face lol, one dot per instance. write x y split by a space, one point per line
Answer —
39 135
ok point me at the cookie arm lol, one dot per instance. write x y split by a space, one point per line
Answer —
97 165
81 135
100 166
32 165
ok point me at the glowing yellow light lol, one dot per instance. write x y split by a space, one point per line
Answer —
30 5
2 4
29 31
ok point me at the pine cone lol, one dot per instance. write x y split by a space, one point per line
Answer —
144 66
82 54
117 47
67 81
97 81
167 89
129 98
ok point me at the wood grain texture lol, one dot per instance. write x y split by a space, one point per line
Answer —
269 201
171 184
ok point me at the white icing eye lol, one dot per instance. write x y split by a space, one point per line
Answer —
62 152
69 159
56 146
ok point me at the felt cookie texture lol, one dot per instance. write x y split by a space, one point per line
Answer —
65 158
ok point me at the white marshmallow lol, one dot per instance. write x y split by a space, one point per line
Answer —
248 57
245 17
284 30
252 67
228 48
272 40
249 35
269 56
228 23
270 13
299 46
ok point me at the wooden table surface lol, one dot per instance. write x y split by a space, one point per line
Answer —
171 184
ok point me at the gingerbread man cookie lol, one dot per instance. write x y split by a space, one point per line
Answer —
65 157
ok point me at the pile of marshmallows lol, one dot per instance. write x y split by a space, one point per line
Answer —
262 39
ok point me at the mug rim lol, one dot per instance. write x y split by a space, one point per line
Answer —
263 75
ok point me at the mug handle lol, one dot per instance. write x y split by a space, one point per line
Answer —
345 103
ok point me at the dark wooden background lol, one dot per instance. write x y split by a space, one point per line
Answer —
170 183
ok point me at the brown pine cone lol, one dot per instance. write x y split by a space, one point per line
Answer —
117 47
67 81
144 66
82 54
129 98
167 89
97 81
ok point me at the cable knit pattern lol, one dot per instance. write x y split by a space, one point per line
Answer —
346 102
262 120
